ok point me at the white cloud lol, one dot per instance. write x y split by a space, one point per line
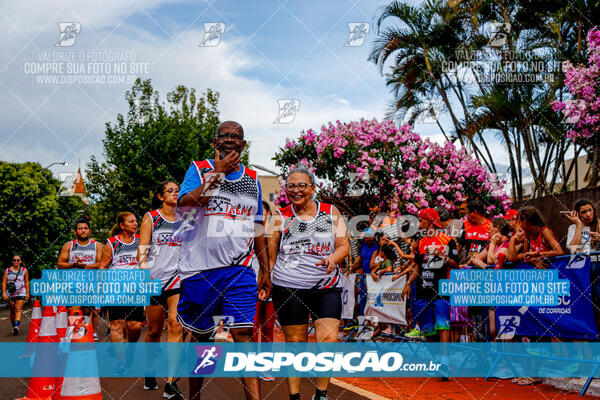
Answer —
70 121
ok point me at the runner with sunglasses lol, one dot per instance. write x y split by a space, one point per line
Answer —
15 290
307 243
222 232
159 251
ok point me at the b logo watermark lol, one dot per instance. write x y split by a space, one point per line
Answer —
142 108
212 34
500 32
366 326
577 261
287 111
431 112
357 184
68 33
573 110
222 325
357 34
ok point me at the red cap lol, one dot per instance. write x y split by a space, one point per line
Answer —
511 214
430 215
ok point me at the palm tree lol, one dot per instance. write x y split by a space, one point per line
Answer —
418 50
519 115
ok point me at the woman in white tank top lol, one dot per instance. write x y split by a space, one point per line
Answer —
120 252
159 251
15 290
307 242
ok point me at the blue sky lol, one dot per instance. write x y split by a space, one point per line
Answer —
270 50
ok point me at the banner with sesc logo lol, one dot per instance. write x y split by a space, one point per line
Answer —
573 317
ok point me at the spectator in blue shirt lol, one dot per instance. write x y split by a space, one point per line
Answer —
363 263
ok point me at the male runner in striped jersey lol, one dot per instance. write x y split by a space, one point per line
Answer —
85 253
221 203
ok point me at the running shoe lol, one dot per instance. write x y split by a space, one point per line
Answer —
150 383
266 378
350 325
15 330
95 334
320 398
414 334
172 392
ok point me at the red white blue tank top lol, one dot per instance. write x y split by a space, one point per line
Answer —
221 234
163 256
86 254
18 278
303 244
124 255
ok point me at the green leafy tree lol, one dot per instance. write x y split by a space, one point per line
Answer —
152 143
35 220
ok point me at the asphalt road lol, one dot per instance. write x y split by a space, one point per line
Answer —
344 388
131 388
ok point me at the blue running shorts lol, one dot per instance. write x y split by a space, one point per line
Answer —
230 292
432 314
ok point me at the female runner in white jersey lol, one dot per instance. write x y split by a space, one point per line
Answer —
159 251
120 252
307 244
15 290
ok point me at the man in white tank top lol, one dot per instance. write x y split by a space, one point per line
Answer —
221 204
85 253
82 252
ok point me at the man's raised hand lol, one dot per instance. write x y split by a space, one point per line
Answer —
227 164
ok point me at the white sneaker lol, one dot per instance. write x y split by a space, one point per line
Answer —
95 336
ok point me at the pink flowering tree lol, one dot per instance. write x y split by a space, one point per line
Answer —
582 111
394 169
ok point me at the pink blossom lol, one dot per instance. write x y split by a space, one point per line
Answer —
429 174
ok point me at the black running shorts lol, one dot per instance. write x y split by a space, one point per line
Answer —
161 300
293 306
128 313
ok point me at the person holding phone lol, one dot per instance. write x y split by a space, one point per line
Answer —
584 233
15 290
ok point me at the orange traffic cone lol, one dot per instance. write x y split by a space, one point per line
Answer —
75 318
61 322
34 328
81 388
42 388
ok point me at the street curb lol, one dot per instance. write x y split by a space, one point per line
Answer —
574 385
